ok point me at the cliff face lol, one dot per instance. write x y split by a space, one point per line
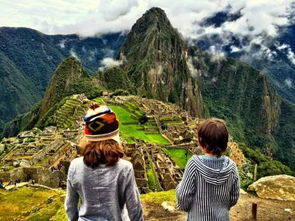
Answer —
242 95
154 57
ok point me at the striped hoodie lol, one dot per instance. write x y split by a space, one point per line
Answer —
209 188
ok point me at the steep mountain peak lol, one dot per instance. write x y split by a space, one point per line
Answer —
67 74
155 58
154 15
152 37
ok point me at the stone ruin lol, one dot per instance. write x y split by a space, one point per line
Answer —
137 159
43 159
167 173
171 121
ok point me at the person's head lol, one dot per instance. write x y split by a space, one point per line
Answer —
213 136
102 143
102 152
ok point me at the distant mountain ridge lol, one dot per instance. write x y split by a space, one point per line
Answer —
272 55
33 56
155 62
28 59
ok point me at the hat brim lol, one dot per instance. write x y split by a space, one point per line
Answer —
91 138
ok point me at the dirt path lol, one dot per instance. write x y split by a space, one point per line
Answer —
268 210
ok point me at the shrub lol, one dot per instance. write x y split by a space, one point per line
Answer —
143 119
265 165
121 92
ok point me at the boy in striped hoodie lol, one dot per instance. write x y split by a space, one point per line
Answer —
210 185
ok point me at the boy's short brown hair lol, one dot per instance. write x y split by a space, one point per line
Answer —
213 136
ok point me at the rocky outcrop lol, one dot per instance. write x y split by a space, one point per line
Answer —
279 187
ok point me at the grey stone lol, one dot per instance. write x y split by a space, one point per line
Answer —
24 163
26 134
279 187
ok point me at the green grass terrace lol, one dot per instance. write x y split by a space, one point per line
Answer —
130 128
179 155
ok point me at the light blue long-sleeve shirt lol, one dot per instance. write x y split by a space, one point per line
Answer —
104 191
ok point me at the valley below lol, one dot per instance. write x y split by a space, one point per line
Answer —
158 138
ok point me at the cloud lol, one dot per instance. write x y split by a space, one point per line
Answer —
216 54
281 47
73 53
194 72
291 55
288 82
110 62
62 43
89 17
234 49
287 50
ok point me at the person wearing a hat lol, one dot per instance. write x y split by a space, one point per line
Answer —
102 181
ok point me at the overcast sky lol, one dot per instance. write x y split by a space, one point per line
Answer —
94 17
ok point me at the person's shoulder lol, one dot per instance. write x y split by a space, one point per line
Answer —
76 162
230 161
194 161
232 165
195 158
124 164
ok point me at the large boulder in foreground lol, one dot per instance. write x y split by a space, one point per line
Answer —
279 187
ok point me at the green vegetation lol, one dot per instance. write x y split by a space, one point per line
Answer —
231 90
159 197
255 114
99 100
39 204
120 92
68 113
27 65
285 135
132 107
49 211
30 204
68 79
130 129
265 165
22 122
153 181
115 79
18 92
179 156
